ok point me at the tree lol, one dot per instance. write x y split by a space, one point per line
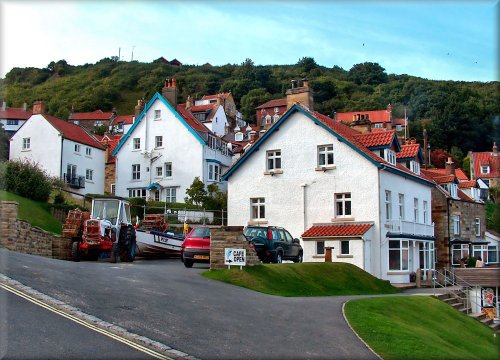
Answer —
251 100
439 157
196 192
306 64
367 73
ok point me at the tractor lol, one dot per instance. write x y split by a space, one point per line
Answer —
106 231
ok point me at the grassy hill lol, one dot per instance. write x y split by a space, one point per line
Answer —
305 279
420 327
37 213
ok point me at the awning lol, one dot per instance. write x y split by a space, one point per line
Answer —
410 236
337 230
155 186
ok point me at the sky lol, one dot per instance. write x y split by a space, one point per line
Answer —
438 40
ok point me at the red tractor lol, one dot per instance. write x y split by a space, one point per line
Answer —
106 232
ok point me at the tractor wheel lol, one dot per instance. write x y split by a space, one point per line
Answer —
93 255
113 257
126 243
75 252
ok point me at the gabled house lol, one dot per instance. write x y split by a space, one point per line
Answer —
13 118
64 150
91 120
486 166
459 217
121 124
338 189
269 112
378 119
165 149
210 114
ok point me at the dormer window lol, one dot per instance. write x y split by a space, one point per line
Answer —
238 136
399 127
379 125
485 169
390 156
415 167
452 189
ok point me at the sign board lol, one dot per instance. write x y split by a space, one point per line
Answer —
237 257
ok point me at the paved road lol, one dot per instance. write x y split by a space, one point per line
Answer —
28 331
162 300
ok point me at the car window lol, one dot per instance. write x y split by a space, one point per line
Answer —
200 232
275 234
283 236
255 232
288 236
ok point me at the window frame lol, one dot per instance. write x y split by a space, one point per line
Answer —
416 211
390 156
320 245
157 114
26 143
344 200
388 205
136 143
325 151
170 194
477 227
401 203
136 171
343 243
158 142
77 148
456 224
168 169
273 160
89 174
425 209
159 173
258 208
402 252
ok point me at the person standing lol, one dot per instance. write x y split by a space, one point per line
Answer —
479 262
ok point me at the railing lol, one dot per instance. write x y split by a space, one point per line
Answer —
74 181
410 227
449 280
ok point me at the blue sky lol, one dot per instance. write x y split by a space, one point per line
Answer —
442 40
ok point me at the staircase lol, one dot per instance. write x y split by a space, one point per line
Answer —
458 298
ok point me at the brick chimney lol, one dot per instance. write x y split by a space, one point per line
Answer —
38 107
300 92
169 91
219 99
139 107
450 167
362 124
189 102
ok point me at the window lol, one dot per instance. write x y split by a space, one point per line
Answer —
26 143
344 247
485 169
320 248
168 169
399 127
415 167
156 195
157 114
416 218
492 254
12 122
456 225
480 250
136 171
258 206
77 148
401 206
343 205
452 189
379 125
459 251
113 189
398 255
325 155
89 174
159 171
98 123
88 151
477 226
137 193
158 141
170 195
426 210
212 142
214 172
388 205
274 160
390 156
137 143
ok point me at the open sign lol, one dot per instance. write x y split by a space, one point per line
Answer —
236 257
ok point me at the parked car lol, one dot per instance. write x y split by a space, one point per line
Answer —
274 244
196 246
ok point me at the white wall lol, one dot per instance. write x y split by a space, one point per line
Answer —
180 147
95 162
11 128
45 145
219 121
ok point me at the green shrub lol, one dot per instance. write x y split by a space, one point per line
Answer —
3 169
28 180
59 199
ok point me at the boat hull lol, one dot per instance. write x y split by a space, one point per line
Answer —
155 243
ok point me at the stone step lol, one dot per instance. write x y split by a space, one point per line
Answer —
443 296
464 309
452 300
487 321
478 316
495 327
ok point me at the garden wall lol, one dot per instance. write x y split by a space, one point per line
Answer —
229 237
19 235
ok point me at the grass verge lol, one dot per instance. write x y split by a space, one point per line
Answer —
305 279
37 213
420 327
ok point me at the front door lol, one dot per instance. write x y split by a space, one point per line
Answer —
426 257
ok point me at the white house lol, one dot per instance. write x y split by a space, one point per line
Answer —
62 149
13 118
165 149
336 187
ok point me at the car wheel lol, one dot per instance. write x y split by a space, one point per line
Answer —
299 258
279 257
75 252
188 263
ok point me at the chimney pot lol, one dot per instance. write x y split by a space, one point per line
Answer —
38 107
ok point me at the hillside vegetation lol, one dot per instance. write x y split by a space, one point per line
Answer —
460 114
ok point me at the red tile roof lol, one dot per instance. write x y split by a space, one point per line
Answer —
198 108
209 97
73 132
15 113
408 151
91 116
113 143
125 119
486 158
336 230
399 121
375 116
273 103
460 174
190 119
467 184
383 138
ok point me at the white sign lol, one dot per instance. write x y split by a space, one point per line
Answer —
237 257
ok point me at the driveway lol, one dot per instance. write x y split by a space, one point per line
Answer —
162 300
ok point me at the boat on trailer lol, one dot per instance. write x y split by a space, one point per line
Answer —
154 239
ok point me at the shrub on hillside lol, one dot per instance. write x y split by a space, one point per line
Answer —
28 180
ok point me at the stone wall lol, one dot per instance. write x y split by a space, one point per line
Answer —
229 237
21 236
109 176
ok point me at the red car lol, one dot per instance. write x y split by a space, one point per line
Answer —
196 246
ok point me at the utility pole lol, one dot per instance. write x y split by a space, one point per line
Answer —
133 47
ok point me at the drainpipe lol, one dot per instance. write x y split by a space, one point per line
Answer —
450 255
380 223
61 161
303 186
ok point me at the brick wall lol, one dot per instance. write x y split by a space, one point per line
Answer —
21 236
109 176
229 237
